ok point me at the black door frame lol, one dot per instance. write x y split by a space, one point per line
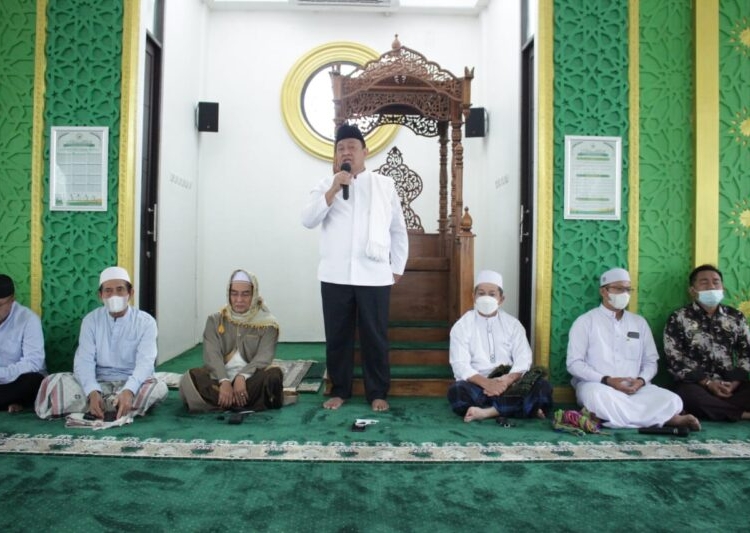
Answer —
527 199
150 175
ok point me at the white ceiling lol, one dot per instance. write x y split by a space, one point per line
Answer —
437 7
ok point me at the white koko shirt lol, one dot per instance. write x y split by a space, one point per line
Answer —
345 233
600 345
475 339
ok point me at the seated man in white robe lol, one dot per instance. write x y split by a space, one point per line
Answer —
491 361
113 367
612 358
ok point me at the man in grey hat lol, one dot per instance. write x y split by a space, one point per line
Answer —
491 361
113 367
363 251
612 358
21 350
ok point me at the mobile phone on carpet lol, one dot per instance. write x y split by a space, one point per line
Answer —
236 418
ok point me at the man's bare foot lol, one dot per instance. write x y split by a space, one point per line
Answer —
540 414
687 421
15 408
333 403
478 413
380 405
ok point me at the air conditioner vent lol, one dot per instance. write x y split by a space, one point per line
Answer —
347 3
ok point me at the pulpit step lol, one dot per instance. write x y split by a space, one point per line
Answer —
404 357
405 387
410 387
418 380
418 332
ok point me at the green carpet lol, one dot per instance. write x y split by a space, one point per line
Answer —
417 423
105 494
134 493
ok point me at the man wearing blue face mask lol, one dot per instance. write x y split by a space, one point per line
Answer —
707 346
491 361
113 368
612 358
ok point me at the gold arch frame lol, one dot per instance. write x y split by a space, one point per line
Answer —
291 97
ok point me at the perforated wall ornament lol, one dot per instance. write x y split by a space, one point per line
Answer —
667 159
83 88
16 85
734 146
591 98
408 186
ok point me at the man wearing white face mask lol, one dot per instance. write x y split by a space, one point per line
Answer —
113 368
707 346
612 358
491 359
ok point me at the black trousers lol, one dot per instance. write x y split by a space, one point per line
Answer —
21 391
346 309
701 403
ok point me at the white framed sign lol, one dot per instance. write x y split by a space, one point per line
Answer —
78 168
593 173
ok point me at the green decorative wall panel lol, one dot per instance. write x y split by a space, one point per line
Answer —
17 27
734 145
84 45
590 98
667 161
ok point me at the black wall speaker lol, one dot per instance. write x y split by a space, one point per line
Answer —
476 124
207 116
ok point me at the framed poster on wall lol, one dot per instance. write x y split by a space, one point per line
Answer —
593 169
78 168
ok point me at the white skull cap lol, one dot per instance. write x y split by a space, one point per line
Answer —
111 273
489 276
612 275
241 276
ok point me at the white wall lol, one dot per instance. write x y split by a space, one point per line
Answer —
494 196
178 262
251 180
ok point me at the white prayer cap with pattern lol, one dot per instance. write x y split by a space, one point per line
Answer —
489 276
241 276
111 273
613 275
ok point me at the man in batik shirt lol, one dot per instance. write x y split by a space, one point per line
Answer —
707 348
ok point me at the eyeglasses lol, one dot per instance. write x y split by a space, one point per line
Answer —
620 290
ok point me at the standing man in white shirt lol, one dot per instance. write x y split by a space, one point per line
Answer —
363 250
113 368
21 350
612 358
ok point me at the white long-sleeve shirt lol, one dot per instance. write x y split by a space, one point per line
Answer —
600 345
474 340
345 233
109 349
21 344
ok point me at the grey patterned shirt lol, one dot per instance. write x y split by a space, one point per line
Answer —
697 345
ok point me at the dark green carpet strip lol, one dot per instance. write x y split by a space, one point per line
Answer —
112 495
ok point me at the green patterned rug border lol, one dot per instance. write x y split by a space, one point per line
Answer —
355 452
